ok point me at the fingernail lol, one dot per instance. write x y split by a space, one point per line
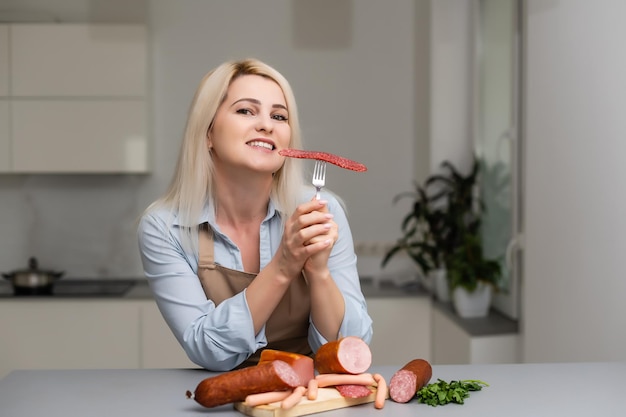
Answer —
329 215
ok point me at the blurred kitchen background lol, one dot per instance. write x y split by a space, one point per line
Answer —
396 85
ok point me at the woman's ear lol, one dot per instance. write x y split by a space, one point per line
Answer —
209 143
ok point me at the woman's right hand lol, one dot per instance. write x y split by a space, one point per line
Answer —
309 220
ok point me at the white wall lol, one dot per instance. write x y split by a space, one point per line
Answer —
451 83
574 288
356 78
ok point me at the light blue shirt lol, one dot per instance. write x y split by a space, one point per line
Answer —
221 337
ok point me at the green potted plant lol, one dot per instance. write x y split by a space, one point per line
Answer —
424 229
442 231
472 277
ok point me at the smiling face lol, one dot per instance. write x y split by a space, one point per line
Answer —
250 127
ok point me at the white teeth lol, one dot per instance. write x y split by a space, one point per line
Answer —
261 144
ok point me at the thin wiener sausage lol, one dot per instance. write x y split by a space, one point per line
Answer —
329 380
311 392
263 398
293 399
381 391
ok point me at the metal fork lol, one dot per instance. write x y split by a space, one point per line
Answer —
319 177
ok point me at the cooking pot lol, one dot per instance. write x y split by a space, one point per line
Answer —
32 280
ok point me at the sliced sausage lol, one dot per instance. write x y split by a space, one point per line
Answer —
302 364
405 383
348 355
353 391
326 157
234 386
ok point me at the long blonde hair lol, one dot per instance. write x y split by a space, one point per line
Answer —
192 184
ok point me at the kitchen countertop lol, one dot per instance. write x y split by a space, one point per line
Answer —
138 289
554 389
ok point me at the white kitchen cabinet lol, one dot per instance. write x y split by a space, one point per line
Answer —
77 99
4 60
452 344
87 136
78 60
68 334
401 329
401 333
100 333
159 347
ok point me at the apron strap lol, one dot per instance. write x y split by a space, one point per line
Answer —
205 247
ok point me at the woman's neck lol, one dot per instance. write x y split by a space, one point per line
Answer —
239 204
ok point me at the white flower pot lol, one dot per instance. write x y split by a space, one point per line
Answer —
472 304
440 279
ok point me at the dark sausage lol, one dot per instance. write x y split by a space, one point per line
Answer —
234 386
302 364
326 157
348 355
405 383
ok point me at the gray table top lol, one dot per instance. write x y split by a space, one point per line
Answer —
558 389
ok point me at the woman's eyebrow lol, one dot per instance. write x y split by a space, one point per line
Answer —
258 102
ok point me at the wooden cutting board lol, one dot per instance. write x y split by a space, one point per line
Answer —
327 399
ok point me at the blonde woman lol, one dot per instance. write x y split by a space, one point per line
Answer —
238 253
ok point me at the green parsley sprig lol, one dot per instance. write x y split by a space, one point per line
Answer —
442 392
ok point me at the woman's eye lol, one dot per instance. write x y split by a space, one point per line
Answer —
244 111
280 117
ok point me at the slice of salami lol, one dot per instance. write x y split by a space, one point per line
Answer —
326 157
353 391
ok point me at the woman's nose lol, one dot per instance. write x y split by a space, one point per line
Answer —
264 123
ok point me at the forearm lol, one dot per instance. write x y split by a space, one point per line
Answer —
327 305
265 292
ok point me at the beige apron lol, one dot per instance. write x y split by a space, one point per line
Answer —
287 327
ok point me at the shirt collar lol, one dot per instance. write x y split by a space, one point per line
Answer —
208 214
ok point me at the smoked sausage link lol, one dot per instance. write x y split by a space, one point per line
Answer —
234 386
405 383
302 364
348 355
